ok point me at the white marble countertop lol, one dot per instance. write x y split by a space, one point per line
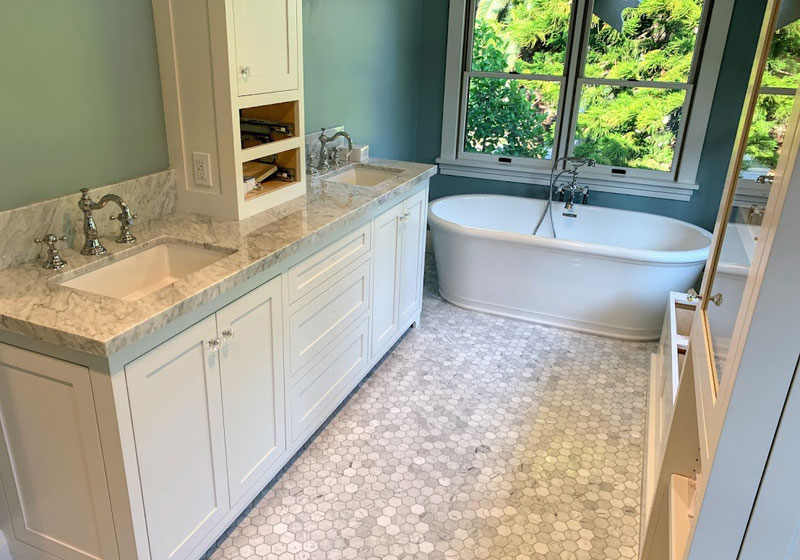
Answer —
34 305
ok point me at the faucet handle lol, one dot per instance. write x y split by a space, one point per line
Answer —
125 218
54 260
125 222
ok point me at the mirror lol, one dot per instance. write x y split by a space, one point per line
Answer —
765 119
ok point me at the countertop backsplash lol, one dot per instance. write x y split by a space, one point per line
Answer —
151 197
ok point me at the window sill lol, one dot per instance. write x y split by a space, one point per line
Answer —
636 186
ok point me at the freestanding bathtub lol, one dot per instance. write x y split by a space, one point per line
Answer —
607 272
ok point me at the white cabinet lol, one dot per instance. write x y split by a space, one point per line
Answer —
208 418
412 255
154 459
176 409
251 359
266 45
223 64
51 461
399 237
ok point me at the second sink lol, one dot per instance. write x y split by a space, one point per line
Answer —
143 273
365 175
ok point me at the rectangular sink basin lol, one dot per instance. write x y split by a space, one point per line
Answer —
365 175
143 273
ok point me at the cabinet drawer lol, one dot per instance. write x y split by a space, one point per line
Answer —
317 391
322 316
316 269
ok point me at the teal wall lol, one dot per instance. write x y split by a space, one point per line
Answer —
362 70
80 99
728 99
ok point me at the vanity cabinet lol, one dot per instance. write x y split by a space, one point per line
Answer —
207 412
399 250
176 411
51 461
266 45
155 456
251 364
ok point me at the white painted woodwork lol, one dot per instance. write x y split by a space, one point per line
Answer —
775 521
398 263
266 45
319 267
176 408
326 312
681 490
251 364
412 255
203 46
51 461
319 389
385 317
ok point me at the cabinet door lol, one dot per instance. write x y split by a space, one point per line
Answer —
386 238
412 255
266 45
176 410
51 462
252 386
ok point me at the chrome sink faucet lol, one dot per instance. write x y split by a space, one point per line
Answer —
324 139
92 245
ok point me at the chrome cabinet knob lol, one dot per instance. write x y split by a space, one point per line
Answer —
213 345
227 334
244 72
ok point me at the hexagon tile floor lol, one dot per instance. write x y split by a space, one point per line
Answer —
477 437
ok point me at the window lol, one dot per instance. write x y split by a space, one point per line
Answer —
529 81
775 101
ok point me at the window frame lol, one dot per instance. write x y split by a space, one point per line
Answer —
678 184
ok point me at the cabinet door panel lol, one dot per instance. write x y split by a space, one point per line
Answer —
174 393
252 386
320 319
318 391
266 45
51 461
412 253
386 238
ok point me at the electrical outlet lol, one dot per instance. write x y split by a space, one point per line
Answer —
202 169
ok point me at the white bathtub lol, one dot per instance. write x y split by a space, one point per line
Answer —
609 272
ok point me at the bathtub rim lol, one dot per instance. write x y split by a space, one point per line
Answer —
643 256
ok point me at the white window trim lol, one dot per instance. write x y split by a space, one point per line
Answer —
453 161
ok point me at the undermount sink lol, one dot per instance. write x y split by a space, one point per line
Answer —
365 175
140 274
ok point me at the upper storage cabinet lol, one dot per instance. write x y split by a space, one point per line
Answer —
266 53
232 80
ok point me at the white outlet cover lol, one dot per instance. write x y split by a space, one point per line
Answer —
201 163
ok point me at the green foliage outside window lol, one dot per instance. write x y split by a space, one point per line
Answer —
772 113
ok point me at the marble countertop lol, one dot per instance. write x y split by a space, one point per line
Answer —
34 305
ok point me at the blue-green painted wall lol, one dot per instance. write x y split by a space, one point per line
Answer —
362 70
80 97
729 96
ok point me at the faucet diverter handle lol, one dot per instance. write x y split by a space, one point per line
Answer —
54 260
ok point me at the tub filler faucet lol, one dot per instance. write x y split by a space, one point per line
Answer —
568 193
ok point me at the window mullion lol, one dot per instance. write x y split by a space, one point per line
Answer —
576 56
